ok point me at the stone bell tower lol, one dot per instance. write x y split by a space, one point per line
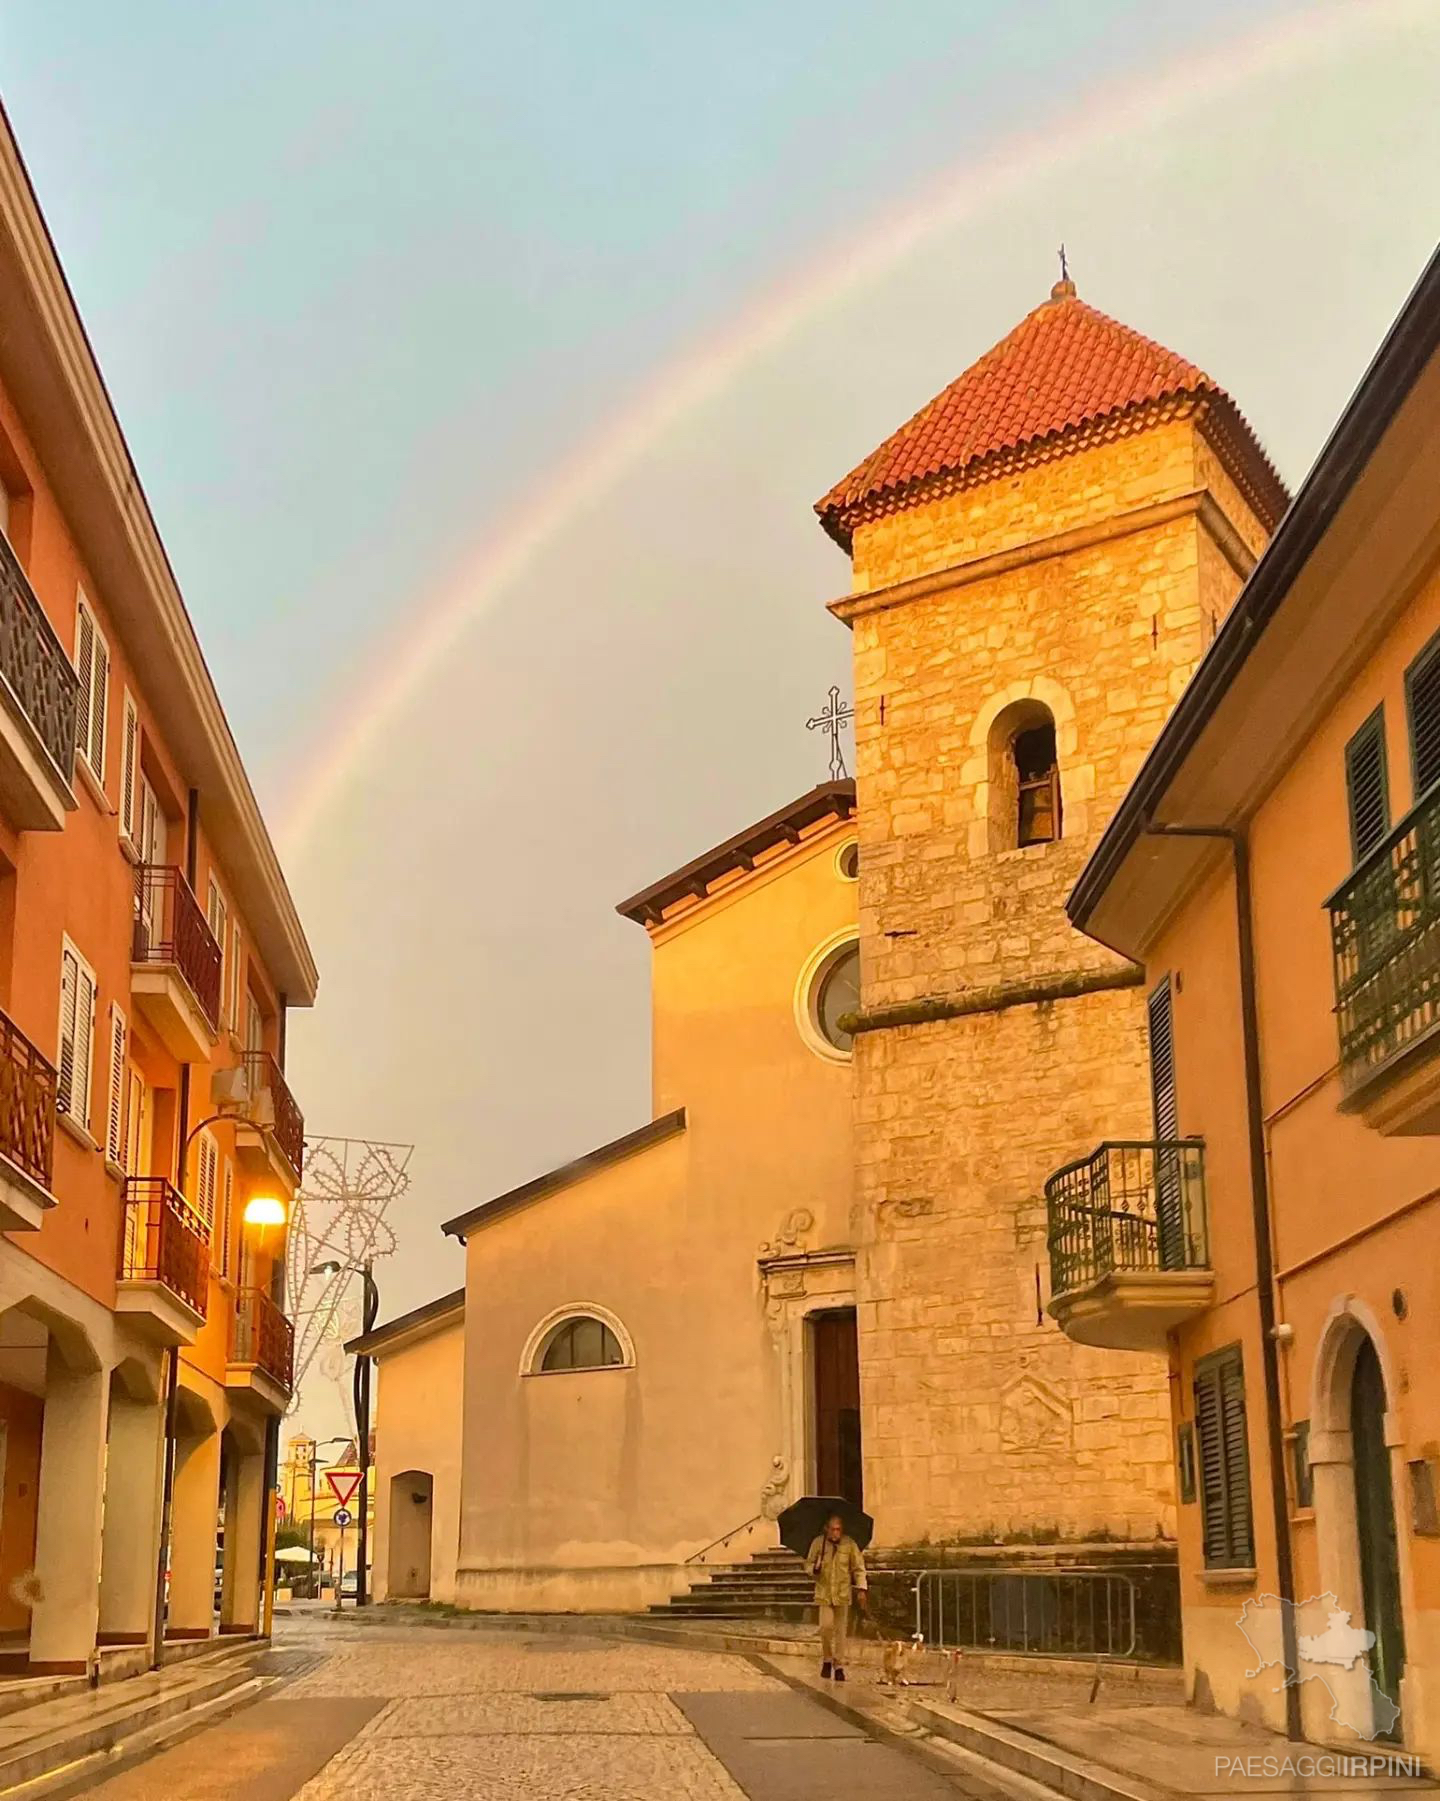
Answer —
1040 558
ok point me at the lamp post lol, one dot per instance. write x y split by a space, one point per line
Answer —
369 1313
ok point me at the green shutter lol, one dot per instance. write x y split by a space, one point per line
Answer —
1224 1461
1422 704
1367 786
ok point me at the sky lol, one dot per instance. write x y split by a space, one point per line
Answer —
482 365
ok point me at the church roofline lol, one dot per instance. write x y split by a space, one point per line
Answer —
1066 377
567 1174
831 800
407 1325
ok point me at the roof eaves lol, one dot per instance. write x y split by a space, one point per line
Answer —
655 1132
432 1313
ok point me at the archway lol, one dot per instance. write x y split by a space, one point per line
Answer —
1354 1436
412 1503
1024 777
1375 1520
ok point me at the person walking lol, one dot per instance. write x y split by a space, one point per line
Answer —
836 1563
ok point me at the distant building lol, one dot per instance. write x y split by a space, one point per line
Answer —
1275 867
149 953
307 1497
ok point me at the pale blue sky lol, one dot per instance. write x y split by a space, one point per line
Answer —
361 278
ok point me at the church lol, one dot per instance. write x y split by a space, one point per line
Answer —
821 1265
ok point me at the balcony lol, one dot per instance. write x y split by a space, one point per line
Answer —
1385 934
1129 1250
164 1262
39 701
27 1131
272 1141
262 1351
175 964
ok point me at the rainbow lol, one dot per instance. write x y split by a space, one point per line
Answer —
405 654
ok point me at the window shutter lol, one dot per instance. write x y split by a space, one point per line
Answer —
99 694
237 976
65 1062
1224 1459
1422 702
205 1181
129 769
84 665
1367 789
84 1043
115 1122
1162 1062
215 916
227 1203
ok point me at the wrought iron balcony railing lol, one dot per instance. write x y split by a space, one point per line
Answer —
288 1127
264 1337
170 928
1129 1206
165 1241
27 1104
1385 933
34 666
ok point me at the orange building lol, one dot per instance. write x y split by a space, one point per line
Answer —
1275 867
149 950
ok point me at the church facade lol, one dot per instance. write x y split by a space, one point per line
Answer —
819 1266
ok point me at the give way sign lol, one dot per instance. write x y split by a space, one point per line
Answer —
343 1484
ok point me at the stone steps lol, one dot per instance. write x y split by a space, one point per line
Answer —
770 1585
60 1735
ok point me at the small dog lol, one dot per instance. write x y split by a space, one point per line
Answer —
897 1657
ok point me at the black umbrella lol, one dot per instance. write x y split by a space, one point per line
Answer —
804 1520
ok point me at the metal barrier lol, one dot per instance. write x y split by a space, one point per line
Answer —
1057 1613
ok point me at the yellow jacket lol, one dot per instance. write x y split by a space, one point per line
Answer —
838 1569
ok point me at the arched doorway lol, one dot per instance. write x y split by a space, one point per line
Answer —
412 1501
1375 1520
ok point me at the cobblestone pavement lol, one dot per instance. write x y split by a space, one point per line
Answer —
508 1717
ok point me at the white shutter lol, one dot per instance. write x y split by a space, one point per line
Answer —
129 771
65 1062
227 1203
99 698
115 1121
216 914
237 976
205 1181
84 666
84 1044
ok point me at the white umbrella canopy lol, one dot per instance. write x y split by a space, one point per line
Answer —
292 1554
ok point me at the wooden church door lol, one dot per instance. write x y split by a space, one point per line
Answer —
835 1360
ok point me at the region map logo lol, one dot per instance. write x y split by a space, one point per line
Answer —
1326 1645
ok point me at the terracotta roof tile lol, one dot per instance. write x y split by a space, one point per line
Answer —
1064 367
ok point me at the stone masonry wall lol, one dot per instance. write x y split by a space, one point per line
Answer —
978 1423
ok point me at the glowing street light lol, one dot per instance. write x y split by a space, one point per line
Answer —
265 1210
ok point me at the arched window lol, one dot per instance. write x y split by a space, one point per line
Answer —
581 1343
1024 777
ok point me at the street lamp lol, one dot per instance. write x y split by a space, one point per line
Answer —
265 1210
315 1445
369 1313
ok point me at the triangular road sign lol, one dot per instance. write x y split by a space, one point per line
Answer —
343 1484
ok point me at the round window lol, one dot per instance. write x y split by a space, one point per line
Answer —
837 992
848 862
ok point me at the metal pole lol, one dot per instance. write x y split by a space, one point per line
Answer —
370 1312
314 1459
167 1501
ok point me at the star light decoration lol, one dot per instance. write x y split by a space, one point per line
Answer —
339 1217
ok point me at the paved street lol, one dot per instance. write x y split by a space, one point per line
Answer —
416 1713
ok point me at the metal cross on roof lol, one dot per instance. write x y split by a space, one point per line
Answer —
836 716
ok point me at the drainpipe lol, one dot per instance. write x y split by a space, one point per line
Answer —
1264 1256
